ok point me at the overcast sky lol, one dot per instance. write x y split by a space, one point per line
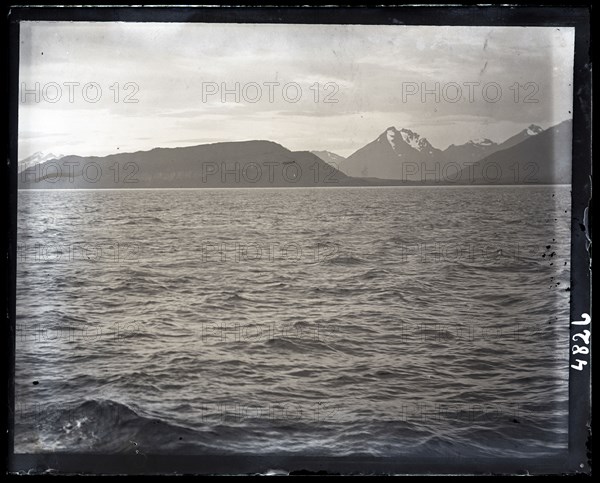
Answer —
366 69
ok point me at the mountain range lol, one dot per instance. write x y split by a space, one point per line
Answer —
37 158
543 158
330 158
229 164
395 157
405 155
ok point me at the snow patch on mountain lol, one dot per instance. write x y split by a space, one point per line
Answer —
396 138
532 130
37 158
411 138
40 157
482 142
391 137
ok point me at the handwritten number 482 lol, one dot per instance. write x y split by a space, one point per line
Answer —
584 336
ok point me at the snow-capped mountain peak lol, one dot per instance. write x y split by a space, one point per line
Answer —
409 137
390 134
40 157
37 158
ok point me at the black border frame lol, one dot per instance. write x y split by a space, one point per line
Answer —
578 454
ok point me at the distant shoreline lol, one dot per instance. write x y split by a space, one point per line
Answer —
306 187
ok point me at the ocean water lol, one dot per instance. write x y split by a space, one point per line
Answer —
328 321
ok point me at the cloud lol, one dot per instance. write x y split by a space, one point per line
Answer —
165 66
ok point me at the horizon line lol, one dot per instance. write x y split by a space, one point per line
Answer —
274 142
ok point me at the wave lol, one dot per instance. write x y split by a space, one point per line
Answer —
142 220
374 273
100 426
309 344
237 297
107 426
345 260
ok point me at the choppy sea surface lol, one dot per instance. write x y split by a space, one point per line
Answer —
323 321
